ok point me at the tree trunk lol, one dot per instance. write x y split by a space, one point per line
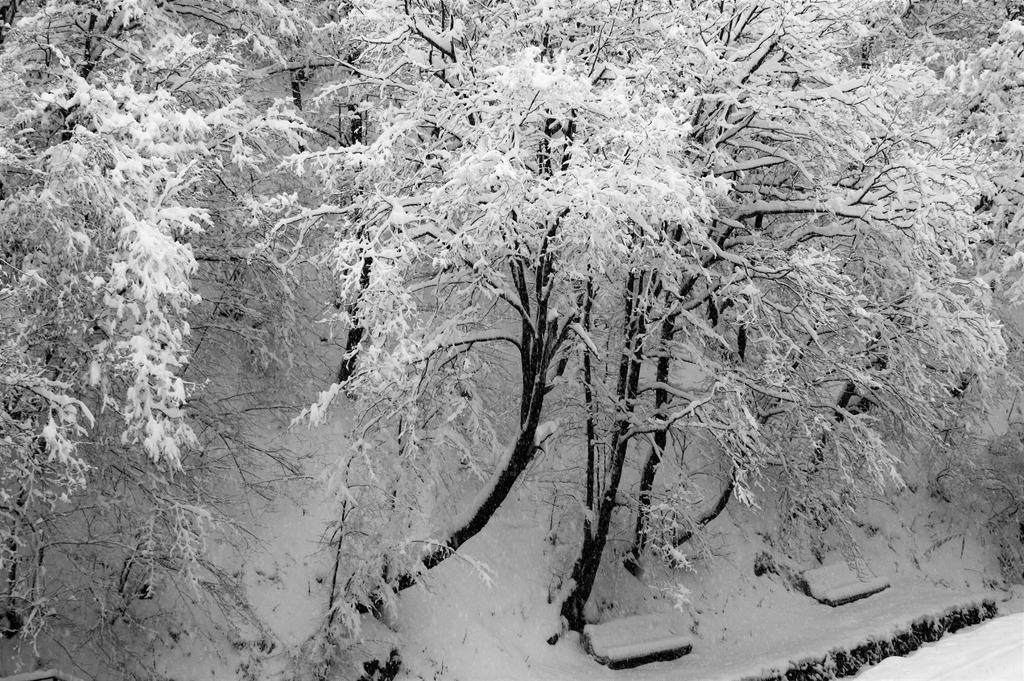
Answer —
661 398
522 454
640 532
591 425
843 407
10 614
8 10
723 500
584 571
298 79
356 332
536 352
490 500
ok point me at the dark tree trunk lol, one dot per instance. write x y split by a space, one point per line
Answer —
10 614
661 398
8 10
299 77
591 424
846 405
723 500
640 532
584 571
522 454
356 331
540 340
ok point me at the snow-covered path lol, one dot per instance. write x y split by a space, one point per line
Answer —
993 651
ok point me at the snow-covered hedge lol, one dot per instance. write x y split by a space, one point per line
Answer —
842 662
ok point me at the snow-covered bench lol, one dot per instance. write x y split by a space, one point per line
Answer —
43 675
836 584
636 640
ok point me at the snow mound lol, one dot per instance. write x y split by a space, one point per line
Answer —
44 675
993 651
837 584
850 659
632 641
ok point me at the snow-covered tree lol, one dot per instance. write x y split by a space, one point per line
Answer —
132 135
834 277
988 113
776 231
499 179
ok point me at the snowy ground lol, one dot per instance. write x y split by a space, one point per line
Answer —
993 651
456 626
495 640
484 615
459 626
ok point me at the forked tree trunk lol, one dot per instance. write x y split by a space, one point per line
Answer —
541 336
661 398
584 571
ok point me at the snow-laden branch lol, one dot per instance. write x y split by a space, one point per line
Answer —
833 206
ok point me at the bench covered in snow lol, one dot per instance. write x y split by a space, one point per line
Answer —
636 640
43 675
836 584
